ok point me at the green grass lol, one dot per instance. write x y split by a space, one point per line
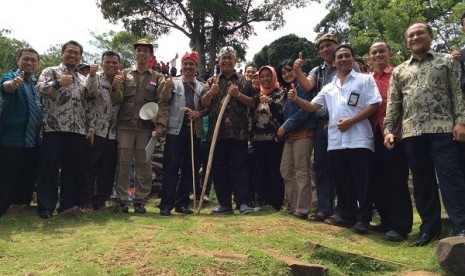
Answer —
105 243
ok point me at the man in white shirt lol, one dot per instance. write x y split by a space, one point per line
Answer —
350 98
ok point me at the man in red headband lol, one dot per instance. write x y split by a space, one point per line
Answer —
184 110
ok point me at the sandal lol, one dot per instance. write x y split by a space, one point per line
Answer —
318 217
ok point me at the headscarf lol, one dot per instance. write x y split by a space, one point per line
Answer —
274 81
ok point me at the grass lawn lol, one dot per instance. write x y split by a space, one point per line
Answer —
109 243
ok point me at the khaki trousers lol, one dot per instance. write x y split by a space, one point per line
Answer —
295 170
133 139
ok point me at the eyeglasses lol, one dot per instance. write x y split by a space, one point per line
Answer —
28 59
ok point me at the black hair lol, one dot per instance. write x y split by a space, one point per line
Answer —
111 53
346 46
462 17
284 63
72 42
30 50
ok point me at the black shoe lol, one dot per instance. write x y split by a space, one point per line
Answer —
46 214
124 207
222 210
360 228
461 234
165 212
378 228
393 236
299 215
424 239
139 208
183 210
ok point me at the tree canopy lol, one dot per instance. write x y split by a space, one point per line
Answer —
209 24
362 22
9 49
288 47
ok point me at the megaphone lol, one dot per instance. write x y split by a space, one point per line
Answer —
149 111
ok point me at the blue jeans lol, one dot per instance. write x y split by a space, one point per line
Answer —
427 154
230 172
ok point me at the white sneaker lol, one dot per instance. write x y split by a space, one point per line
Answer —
206 198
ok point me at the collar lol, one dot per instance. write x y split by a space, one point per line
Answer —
386 70
430 54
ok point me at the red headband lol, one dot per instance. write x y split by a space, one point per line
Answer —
192 55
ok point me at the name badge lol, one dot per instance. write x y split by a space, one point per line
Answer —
353 99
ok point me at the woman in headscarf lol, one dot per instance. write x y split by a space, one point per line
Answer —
268 147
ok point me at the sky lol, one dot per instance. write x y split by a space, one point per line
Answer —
44 23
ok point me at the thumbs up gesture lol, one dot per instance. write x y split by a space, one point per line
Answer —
299 62
18 80
66 78
292 93
215 88
169 81
94 68
118 80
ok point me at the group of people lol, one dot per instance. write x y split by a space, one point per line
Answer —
364 131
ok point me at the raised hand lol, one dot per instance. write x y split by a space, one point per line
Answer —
233 90
118 80
298 62
169 81
94 68
292 93
215 88
66 79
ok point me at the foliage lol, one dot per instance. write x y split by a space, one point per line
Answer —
9 48
288 47
362 22
120 42
209 24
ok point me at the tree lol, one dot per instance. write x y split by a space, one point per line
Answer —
209 24
120 42
9 48
288 47
366 21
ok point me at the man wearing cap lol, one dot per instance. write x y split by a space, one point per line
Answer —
230 167
141 85
318 77
184 110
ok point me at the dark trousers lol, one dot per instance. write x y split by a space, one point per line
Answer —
65 150
350 170
270 184
18 174
230 171
324 185
177 155
389 186
205 152
427 154
100 171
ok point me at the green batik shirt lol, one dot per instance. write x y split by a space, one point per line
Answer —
425 96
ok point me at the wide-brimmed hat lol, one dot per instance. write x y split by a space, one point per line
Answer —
144 42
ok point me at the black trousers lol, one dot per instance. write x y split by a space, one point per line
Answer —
350 170
431 156
270 184
389 186
18 174
65 151
100 171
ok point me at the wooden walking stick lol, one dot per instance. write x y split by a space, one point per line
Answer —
186 109
212 150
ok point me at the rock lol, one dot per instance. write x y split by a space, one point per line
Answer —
451 255
298 267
